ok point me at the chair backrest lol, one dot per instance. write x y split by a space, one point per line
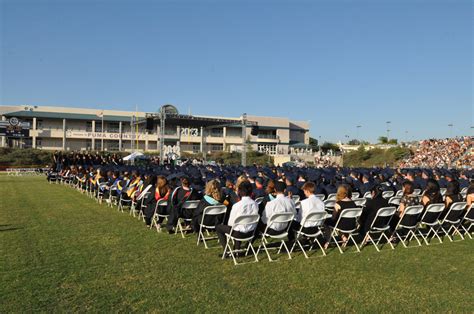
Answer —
432 213
455 212
355 195
191 204
214 210
320 196
162 203
315 217
331 197
399 193
410 216
443 191
360 201
382 218
295 198
259 200
347 221
280 218
329 204
367 195
417 191
387 194
395 200
470 213
245 220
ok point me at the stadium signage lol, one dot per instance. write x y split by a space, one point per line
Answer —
13 128
108 136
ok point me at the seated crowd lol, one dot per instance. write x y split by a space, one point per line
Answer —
160 194
450 152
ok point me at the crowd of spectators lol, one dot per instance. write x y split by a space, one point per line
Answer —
442 153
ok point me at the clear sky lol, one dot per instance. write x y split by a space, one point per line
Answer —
336 63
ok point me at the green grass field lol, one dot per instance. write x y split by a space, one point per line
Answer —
61 251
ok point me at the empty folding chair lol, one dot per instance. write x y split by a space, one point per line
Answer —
331 197
360 202
453 220
281 218
214 210
244 220
468 219
157 215
380 225
318 219
187 205
347 223
320 196
430 219
387 194
405 229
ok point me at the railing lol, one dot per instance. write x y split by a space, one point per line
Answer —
268 136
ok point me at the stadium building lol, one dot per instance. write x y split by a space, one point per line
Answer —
72 129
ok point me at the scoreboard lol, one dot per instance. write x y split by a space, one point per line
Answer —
14 128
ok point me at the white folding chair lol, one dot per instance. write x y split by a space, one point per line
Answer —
244 220
347 223
320 196
355 195
442 191
331 197
453 220
395 200
417 191
469 220
329 205
399 193
276 218
430 219
259 200
141 210
408 222
360 202
317 218
214 210
368 195
157 215
387 194
295 198
380 225
187 205
464 193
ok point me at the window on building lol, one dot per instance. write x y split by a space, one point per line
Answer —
217 147
39 124
267 149
217 132
39 142
113 127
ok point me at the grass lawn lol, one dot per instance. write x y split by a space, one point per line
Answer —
61 251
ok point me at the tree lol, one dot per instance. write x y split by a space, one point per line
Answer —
329 146
383 140
393 141
313 143
354 142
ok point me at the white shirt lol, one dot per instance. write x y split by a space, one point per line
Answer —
310 205
246 206
280 204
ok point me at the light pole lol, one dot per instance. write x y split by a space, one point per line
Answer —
450 130
388 130
102 132
357 132
347 138
244 139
